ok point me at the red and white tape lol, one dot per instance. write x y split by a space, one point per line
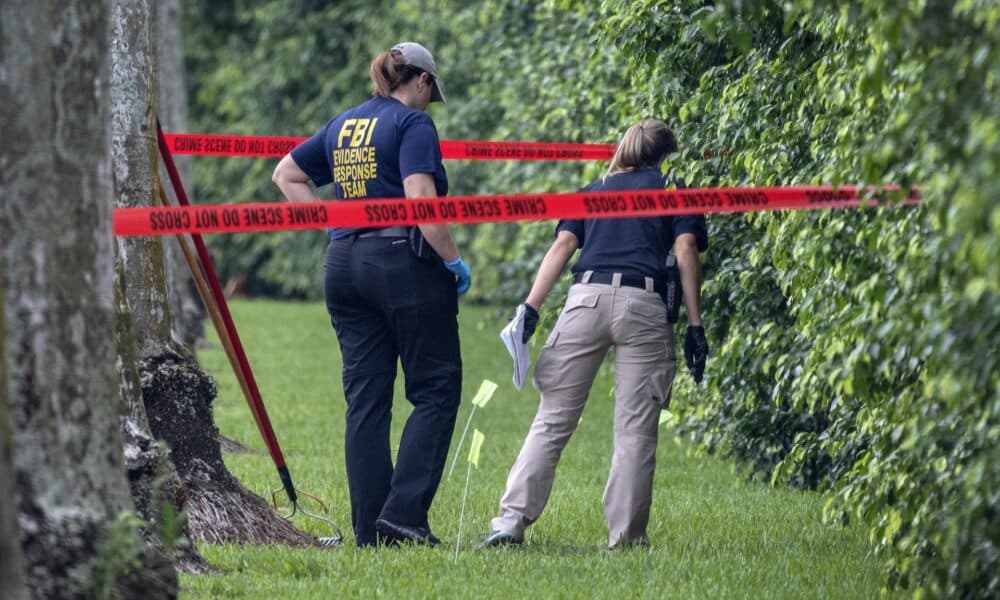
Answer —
385 212
207 144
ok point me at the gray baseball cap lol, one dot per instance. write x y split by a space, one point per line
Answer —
416 55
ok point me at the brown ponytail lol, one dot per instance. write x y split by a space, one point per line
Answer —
644 144
389 71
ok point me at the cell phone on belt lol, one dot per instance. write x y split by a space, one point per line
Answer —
672 289
420 247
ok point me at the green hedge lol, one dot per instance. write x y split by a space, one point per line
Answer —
854 350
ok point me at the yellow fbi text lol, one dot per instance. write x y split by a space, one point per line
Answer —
354 158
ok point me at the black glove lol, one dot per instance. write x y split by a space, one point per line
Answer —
530 322
695 351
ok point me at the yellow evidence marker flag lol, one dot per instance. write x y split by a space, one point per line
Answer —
477 443
484 394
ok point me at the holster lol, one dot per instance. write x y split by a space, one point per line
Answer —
420 247
672 290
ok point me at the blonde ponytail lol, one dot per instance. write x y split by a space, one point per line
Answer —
644 144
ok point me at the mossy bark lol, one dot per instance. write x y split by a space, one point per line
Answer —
55 234
11 564
176 393
143 320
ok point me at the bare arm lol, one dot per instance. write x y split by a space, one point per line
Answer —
292 181
421 185
686 249
552 266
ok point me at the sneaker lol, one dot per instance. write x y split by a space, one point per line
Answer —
497 538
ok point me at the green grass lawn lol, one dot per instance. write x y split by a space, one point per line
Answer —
713 535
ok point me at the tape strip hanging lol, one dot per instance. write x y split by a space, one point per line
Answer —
386 212
206 144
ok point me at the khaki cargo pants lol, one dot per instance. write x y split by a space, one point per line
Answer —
596 317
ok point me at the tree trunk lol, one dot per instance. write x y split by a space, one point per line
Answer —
55 231
176 393
11 566
134 156
185 306
219 509
159 494
157 490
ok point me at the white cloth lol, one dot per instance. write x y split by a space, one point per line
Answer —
512 334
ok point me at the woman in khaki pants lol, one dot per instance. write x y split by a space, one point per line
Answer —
615 301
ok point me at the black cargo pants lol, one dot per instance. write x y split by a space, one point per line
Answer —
387 305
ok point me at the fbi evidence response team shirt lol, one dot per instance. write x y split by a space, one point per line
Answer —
367 151
634 246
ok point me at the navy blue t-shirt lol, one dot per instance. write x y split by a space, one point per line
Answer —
632 246
367 151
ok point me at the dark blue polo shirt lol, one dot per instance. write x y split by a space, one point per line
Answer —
636 246
367 151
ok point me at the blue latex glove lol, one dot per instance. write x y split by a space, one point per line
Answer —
462 272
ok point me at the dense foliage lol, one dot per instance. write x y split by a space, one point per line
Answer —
854 351
275 67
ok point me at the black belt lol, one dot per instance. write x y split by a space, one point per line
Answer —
398 231
626 280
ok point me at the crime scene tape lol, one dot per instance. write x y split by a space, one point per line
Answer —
207 144
386 212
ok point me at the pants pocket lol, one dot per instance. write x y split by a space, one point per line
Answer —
661 382
647 310
546 365
658 390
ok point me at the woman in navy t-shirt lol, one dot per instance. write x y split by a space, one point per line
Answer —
615 302
387 301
